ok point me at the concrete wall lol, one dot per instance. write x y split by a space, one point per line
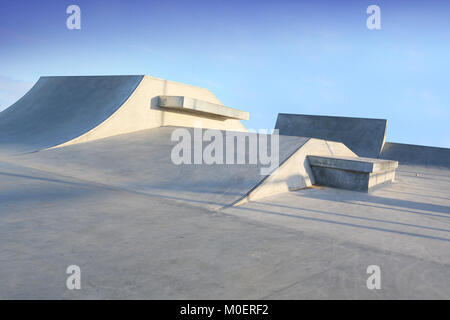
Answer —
416 155
363 136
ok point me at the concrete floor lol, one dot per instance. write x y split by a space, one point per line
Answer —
309 244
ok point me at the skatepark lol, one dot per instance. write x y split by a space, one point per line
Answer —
87 177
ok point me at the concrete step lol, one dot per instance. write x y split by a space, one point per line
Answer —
352 173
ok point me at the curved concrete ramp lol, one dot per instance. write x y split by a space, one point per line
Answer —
60 111
363 136
416 155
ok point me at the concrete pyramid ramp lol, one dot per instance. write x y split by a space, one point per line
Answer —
363 136
66 110
141 162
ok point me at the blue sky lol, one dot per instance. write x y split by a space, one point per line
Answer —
265 57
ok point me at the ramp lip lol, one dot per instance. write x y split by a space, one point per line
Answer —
96 76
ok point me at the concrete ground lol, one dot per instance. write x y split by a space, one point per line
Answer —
309 244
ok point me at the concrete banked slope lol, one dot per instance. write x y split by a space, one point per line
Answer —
65 110
141 162
363 136
59 109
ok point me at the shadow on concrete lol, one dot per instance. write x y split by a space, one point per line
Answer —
243 208
15 175
347 197
355 217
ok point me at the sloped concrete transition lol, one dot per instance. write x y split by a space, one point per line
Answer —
87 177
65 111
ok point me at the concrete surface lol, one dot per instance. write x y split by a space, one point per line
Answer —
416 155
368 165
188 104
60 111
363 136
111 201
351 180
311 244
141 162
295 171
359 174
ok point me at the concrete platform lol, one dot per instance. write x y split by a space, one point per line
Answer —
308 244
361 174
363 136
187 104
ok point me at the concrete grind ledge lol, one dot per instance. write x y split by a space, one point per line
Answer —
194 105
352 173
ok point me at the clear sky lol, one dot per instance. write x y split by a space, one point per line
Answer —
265 57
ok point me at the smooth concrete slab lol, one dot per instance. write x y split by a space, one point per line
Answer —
408 219
416 155
187 104
362 174
363 136
309 244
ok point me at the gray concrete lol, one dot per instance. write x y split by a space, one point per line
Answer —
187 104
141 162
367 165
312 244
58 109
416 155
360 174
140 226
363 136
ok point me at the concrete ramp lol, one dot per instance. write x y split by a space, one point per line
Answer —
60 111
363 136
416 155
141 162
119 131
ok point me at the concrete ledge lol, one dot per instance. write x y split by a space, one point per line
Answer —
359 174
359 164
190 104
